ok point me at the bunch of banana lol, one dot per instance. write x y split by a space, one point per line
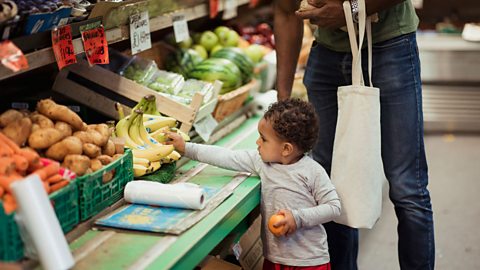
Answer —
148 152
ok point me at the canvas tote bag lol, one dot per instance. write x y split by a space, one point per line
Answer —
357 169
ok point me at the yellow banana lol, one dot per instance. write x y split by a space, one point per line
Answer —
154 153
134 131
141 161
144 136
174 156
121 130
154 166
140 170
155 124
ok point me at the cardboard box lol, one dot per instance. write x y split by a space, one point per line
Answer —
214 263
249 249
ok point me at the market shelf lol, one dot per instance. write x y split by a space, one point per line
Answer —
45 56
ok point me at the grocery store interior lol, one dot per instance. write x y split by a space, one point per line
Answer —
90 88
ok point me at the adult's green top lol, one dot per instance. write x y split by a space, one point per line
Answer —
398 20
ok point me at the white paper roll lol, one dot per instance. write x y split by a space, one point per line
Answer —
182 195
41 223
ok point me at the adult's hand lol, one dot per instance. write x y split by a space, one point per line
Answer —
324 13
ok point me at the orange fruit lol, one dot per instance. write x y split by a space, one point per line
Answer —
274 219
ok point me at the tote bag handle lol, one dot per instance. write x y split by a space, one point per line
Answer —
364 23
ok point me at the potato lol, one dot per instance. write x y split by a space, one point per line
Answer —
117 156
95 165
119 145
62 113
109 148
105 131
10 116
69 146
78 164
44 138
105 159
91 150
83 136
97 138
108 176
64 128
18 131
35 127
41 120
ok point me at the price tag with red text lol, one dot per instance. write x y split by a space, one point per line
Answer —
63 46
95 46
12 57
213 4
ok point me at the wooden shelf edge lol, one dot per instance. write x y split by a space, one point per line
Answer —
45 56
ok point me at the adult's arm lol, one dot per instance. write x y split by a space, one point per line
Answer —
329 14
288 31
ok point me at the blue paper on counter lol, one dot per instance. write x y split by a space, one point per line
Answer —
151 218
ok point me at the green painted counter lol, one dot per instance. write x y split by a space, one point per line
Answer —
109 249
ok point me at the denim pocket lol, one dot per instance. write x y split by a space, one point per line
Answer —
394 42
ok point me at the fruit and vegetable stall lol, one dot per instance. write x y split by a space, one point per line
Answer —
87 102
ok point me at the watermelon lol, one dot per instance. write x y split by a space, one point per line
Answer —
239 58
182 61
220 69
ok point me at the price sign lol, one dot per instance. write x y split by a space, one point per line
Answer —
140 32
180 28
95 46
213 8
12 57
230 9
63 46
253 3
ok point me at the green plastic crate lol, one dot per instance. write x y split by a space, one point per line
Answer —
65 204
96 195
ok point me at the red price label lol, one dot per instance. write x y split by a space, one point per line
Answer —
12 57
95 45
213 8
253 3
63 46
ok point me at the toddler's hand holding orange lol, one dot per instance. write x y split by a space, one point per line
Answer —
282 223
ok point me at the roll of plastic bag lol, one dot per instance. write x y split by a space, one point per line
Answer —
262 101
40 222
181 195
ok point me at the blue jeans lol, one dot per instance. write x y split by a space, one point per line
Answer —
396 71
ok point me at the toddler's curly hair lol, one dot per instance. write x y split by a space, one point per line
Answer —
295 121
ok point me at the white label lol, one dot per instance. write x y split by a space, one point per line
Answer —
20 105
230 10
140 32
180 28
205 127
237 250
63 21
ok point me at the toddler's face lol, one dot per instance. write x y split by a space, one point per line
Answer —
269 144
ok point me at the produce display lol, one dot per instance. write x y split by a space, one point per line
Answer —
144 131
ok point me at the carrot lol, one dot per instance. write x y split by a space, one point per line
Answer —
7 165
21 162
7 180
35 166
1 191
9 203
30 154
5 151
59 185
54 179
9 143
48 170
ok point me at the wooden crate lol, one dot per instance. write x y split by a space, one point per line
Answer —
232 101
100 89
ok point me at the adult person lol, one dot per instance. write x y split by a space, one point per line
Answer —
396 71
